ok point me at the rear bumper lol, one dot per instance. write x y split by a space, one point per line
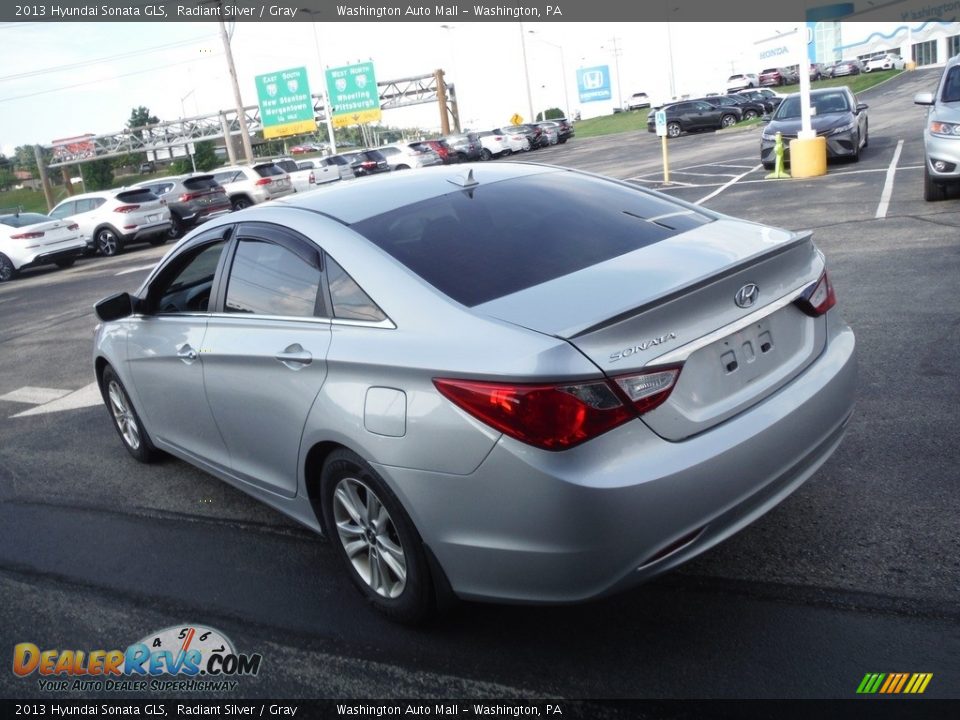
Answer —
52 257
534 526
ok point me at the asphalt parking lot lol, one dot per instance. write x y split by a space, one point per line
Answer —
856 572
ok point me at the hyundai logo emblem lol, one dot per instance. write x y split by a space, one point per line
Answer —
747 295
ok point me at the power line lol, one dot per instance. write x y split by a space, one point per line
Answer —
98 80
86 63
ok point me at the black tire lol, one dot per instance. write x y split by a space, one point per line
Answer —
176 227
728 121
414 602
485 154
768 166
750 114
106 242
402 167
240 202
674 129
125 419
866 134
856 150
932 191
563 141
64 264
506 153
7 270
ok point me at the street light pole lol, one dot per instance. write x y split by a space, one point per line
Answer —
563 69
183 114
327 110
616 61
526 73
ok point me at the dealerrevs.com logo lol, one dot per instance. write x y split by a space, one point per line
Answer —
183 658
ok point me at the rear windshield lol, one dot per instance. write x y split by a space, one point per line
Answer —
201 182
270 170
287 165
139 195
23 219
501 238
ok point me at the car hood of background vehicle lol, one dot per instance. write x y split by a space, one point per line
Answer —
820 123
570 304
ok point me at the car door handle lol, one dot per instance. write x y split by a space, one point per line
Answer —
187 353
294 357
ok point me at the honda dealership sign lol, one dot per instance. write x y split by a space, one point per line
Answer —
593 83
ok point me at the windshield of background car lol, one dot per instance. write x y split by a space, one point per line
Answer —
490 241
768 70
822 104
24 219
951 85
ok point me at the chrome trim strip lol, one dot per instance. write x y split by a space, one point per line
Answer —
681 354
381 324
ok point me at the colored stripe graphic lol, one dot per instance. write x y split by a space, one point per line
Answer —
894 683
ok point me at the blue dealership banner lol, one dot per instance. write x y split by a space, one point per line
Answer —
593 83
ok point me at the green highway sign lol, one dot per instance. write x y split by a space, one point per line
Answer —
286 107
353 94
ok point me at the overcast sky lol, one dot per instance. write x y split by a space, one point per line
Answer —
61 80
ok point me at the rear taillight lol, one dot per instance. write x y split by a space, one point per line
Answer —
312 178
27 236
187 197
818 298
126 208
556 416
73 226
264 181
368 164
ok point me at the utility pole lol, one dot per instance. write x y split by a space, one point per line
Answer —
442 100
241 115
327 108
616 60
44 180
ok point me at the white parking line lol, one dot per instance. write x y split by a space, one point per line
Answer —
660 182
729 165
888 183
34 395
87 396
716 175
136 269
726 185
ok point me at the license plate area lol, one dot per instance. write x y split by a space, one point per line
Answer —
152 218
745 349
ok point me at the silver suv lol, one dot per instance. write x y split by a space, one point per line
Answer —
111 219
250 185
941 135
404 156
192 199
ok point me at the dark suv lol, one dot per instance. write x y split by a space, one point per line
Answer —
367 162
465 145
192 199
749 108
566 129
692 115
777 76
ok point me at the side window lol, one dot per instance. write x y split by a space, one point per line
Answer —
224 177
62 211
349 301
188 289
268 279
86 205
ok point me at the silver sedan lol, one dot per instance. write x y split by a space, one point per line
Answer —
514 383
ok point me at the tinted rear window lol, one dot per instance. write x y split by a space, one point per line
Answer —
270 170
24 219
201 182
139 195
501 238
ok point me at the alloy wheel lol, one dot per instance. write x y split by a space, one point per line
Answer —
123 416
369 537
674 130
7 271
107 243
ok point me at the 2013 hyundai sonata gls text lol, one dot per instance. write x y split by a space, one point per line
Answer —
517 383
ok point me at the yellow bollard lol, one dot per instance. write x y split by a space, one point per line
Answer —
808 157
778 170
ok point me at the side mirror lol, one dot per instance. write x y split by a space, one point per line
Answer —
116 307
861 107
924 98
765 118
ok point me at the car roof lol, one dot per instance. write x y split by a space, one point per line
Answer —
353 202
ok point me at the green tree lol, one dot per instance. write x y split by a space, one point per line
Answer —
98 175
205 156
139 117
7 179
550 114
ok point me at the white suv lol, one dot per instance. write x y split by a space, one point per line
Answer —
257 183
112 219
